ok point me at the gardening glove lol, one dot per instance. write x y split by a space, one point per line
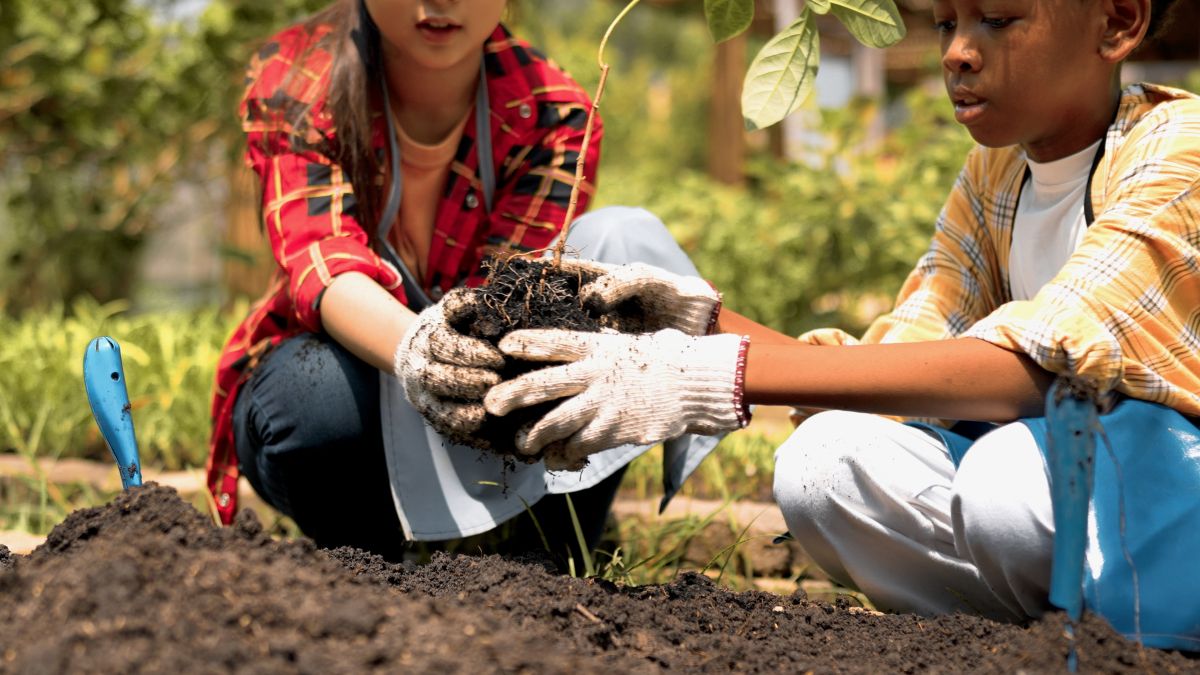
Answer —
645 298
624 388
445 373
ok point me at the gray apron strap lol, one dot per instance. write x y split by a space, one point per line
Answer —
483 139
417 298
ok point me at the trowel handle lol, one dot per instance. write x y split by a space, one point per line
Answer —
104 380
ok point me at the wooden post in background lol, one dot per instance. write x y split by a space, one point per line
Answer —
247 265
726 131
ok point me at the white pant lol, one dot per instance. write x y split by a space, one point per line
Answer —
880 507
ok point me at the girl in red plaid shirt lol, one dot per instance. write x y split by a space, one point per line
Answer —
398 143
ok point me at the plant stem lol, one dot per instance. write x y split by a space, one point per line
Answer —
587 135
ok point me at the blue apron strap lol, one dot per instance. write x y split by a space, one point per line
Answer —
418 299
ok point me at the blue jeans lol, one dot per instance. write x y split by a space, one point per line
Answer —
308 438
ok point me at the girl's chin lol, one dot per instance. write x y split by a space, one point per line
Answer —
437 58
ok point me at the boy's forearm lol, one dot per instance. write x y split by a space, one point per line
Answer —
964 378
730 321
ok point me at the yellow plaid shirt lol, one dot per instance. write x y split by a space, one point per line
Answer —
1124 311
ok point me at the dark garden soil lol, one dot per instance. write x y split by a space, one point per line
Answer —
148 583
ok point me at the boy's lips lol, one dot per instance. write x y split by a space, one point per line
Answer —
967 106
438 29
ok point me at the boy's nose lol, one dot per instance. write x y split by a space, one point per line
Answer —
961 57
960 60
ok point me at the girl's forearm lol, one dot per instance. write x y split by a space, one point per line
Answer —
965 378
364 318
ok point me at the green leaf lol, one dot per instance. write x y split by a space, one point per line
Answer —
727 18
876 23
818 6
781 76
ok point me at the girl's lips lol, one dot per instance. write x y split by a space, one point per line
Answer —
436 31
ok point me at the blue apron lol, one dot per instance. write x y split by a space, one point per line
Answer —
1146 483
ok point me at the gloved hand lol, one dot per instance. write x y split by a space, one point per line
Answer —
624 388
445 373
645 298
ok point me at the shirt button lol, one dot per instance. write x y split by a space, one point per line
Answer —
472 200
525 111
436 294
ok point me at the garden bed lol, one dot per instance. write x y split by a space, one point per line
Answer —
147 582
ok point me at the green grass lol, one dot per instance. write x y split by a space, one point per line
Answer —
169 362
739 468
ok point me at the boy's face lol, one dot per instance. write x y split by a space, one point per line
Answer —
1026 72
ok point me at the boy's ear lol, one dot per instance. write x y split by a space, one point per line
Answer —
1125 27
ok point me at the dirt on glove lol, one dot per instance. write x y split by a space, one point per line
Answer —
521 293
146 583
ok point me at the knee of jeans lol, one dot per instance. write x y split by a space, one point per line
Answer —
814 461
620 234
308 396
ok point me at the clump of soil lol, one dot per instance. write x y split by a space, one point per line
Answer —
147 583
522 293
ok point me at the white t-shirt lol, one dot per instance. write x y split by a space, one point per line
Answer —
1050 221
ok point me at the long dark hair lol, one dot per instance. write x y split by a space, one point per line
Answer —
351 98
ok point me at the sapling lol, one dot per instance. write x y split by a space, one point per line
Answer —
521 292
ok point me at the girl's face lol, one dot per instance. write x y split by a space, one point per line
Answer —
435 34
1025 72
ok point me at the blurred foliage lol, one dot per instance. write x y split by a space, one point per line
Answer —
104 104
1192 82
782 76
95 130
803 245
655 106
740 468
823 242
169 362
169 366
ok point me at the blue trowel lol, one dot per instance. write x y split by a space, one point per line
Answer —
1071 421
104 380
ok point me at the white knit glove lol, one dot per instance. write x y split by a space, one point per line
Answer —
445 373
645 298
624 388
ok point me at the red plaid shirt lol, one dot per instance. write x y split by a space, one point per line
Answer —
538 117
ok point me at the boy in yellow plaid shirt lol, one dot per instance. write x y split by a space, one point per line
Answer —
1070 245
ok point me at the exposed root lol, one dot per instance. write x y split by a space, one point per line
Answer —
522 293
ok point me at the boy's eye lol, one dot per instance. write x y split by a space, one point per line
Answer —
944 26
997 23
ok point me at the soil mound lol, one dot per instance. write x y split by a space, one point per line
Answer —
148 583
